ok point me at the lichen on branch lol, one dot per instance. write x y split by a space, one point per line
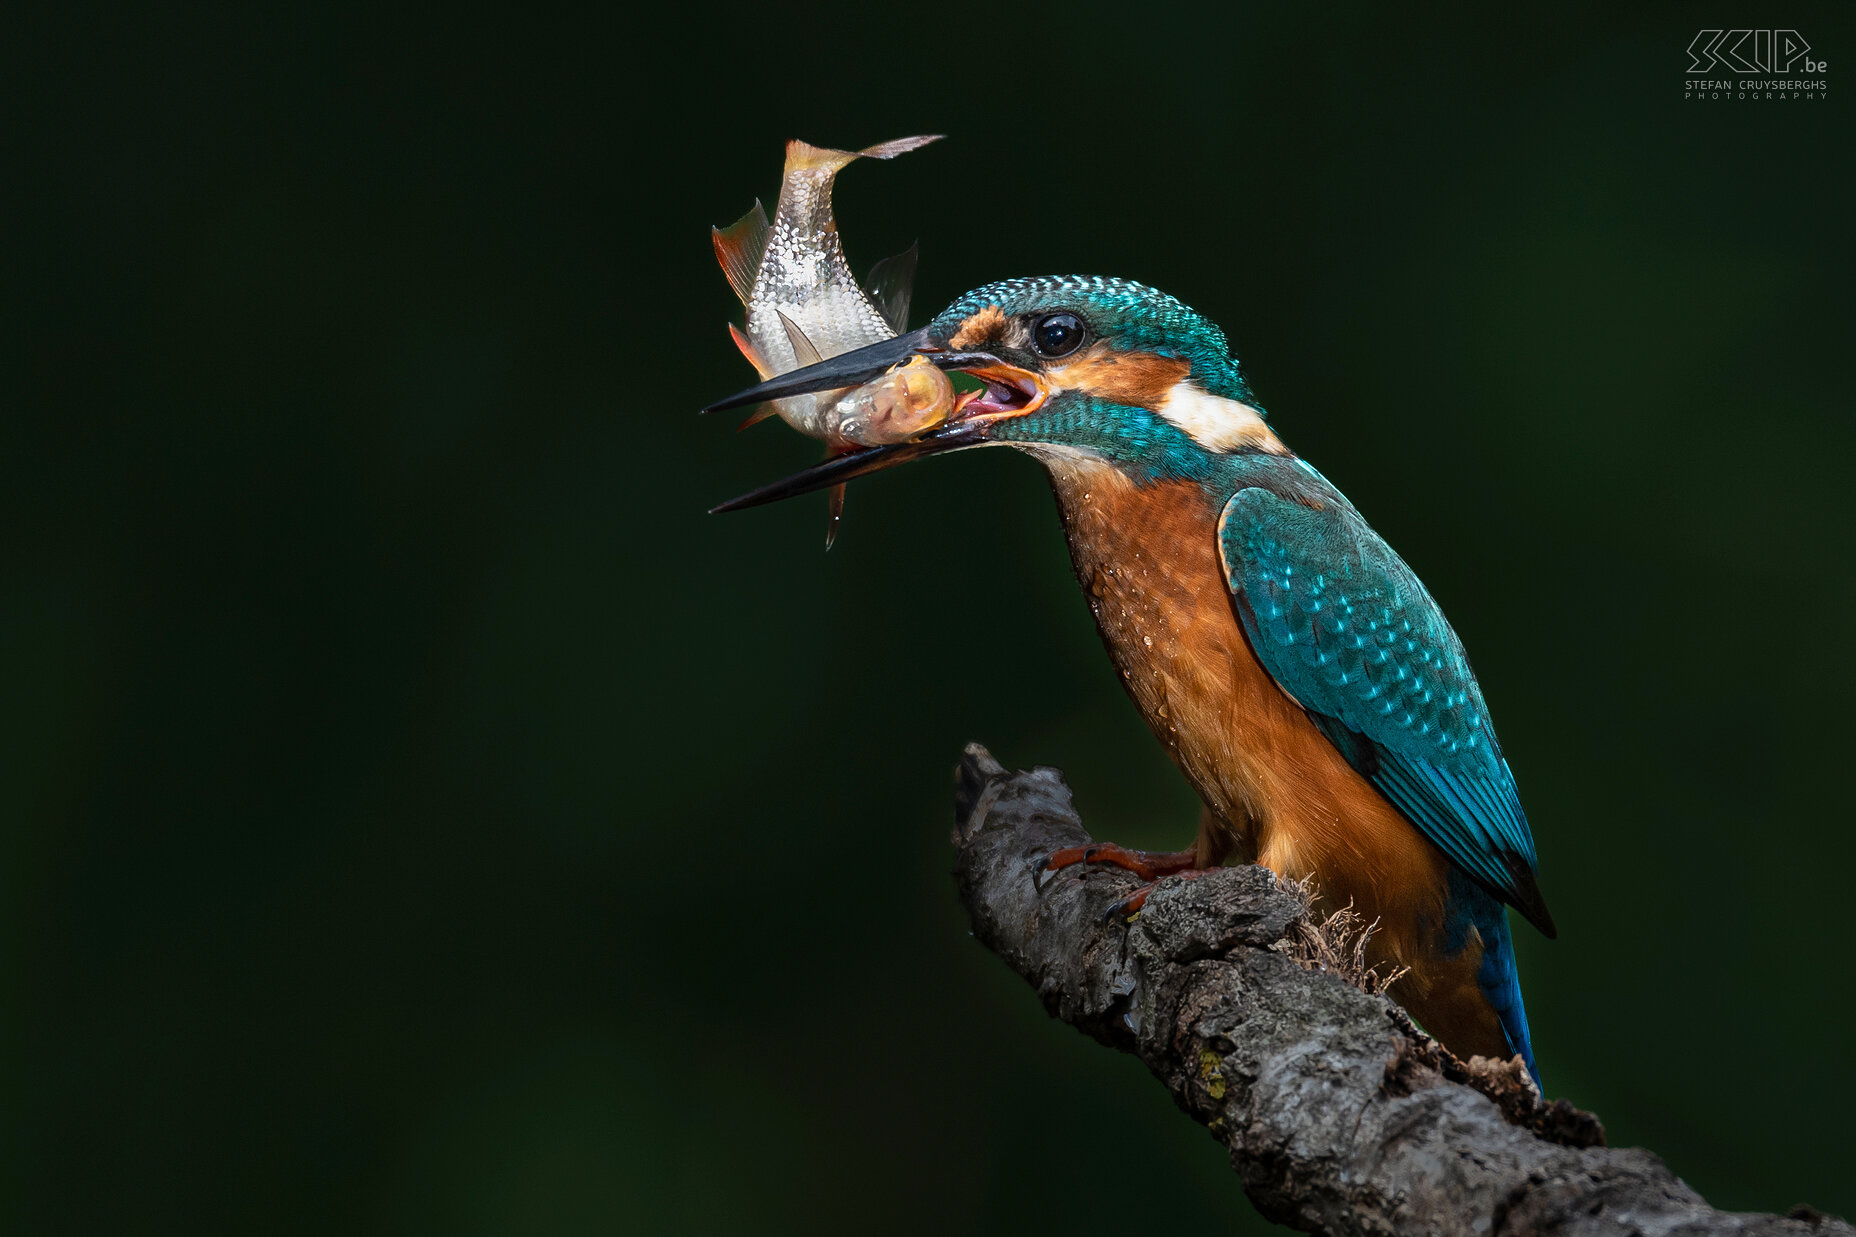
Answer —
1264 1023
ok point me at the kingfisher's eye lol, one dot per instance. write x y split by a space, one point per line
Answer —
1058 334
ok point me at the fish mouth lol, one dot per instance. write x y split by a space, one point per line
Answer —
1009 392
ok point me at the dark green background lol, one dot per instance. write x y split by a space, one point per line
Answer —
420 816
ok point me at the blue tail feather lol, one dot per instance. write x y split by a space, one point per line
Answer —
1501 984
1471 905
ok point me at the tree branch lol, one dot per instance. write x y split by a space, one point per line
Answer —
1339 1115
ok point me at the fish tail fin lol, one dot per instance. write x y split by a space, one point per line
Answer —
805 157
803 351
891 283
901 146
739 246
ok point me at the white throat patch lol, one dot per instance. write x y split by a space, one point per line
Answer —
1217 423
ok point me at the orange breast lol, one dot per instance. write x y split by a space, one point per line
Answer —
1279 792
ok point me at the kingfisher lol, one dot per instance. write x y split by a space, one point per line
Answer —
1294 667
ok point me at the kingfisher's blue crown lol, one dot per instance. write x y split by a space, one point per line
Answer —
1129 315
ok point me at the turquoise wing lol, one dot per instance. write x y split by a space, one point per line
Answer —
1346 628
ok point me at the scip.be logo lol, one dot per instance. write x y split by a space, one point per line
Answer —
1751 51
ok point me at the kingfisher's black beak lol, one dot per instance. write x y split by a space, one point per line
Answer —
853 368
841 468
1010 391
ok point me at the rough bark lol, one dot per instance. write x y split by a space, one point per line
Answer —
1339 1115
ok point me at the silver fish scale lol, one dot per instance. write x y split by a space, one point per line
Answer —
803 275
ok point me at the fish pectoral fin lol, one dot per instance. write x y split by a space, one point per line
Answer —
834 513
891 283
749 351
803 351
760 413
739 246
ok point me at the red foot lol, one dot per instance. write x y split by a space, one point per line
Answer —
1131 905
1149 865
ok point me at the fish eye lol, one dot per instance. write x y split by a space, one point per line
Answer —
1058 334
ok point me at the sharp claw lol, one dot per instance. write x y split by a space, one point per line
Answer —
1128 908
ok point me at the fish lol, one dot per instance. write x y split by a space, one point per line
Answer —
804 305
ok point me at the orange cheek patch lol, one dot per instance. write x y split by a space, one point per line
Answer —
1135 378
